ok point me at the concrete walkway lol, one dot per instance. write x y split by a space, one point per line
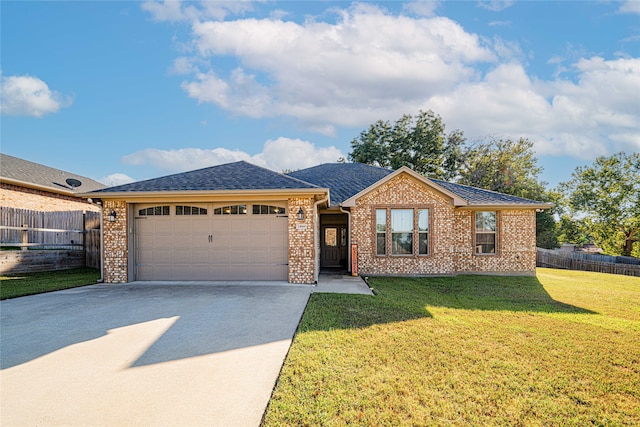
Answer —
145 355
341 284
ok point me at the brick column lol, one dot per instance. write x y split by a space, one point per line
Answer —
301 242
115 249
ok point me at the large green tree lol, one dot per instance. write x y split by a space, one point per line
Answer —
606 199
507 166
418 142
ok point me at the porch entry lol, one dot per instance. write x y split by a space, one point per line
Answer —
334 241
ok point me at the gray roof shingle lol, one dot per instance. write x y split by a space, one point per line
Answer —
16 169
479 196
342 179
231 176
345 180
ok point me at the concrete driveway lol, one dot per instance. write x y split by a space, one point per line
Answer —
145 354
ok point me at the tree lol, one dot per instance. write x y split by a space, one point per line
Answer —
506 166
418 142
606 197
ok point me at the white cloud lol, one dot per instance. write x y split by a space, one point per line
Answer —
116 179
495 5
30 96
358 64
598 114
422 8
279 154
630 6
167 10
367 65
177 10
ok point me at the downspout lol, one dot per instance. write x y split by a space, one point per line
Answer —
316 238
101 244
348 236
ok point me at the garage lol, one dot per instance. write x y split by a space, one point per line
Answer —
211 241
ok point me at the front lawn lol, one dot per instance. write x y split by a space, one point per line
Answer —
562 348
18 285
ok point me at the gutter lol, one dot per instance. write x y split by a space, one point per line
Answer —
101 245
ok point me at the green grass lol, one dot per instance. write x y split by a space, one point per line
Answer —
18 285
562 348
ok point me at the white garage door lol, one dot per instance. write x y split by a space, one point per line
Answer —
211 242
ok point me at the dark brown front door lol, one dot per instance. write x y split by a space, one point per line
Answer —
334 246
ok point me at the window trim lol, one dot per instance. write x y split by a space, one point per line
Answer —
496 252
416 231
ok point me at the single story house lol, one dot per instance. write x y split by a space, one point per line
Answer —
36 187
239 221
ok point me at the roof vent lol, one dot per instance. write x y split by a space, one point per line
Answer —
73 183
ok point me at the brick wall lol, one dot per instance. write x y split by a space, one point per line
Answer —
516 244
39 200
450 233
301 242
115 242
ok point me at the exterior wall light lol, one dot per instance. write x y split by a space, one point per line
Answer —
112 216
300 214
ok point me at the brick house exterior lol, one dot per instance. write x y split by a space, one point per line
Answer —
337 216
32 186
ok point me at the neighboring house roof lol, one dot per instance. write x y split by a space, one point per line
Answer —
348 180
228 177
343 179
24 173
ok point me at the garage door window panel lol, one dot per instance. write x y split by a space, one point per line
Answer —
155 211
231 210
268 210
190 210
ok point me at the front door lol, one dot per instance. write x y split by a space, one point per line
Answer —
334 246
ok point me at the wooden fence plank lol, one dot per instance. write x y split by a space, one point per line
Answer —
587 262
62 230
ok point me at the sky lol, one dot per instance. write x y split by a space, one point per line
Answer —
128 90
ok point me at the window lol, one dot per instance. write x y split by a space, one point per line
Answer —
485 232
331 236
423 231
409 231
381 231
401 231
231 210
155 210
268 210
190 210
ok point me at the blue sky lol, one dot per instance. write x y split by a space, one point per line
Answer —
122 91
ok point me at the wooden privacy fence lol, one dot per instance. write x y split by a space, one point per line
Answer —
75 233
628 266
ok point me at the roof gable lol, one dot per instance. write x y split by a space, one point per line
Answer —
455 199
230 176
22 172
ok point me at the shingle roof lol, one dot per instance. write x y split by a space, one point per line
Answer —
45 177
231 176
342 179
345 180
479 196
